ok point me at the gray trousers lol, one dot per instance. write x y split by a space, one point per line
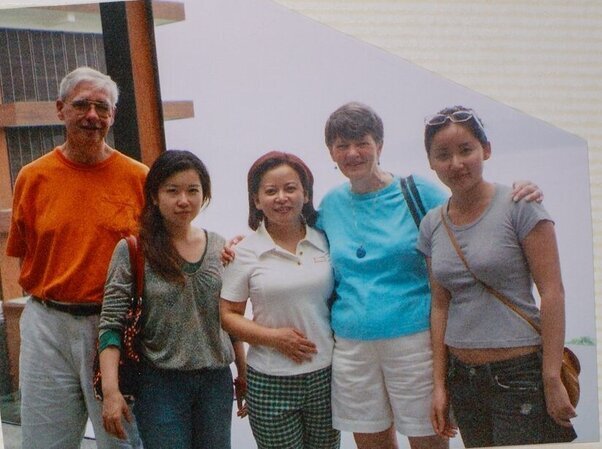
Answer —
55 376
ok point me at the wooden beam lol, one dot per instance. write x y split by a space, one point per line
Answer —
177 110
12 314
163 11
4 220
30 113
43 113
6 187
80 18
168 12
146 79
9 266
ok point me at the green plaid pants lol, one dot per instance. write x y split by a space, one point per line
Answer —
291 412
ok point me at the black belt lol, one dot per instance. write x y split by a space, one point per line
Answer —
76 309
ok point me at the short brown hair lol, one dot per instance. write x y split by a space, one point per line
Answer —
352 121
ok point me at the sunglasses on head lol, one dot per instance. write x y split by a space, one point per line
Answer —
455 117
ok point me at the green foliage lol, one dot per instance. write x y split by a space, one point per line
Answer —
583 341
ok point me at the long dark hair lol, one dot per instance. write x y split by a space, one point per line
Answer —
272 160
156 242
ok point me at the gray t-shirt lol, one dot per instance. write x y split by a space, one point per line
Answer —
492 247
181 326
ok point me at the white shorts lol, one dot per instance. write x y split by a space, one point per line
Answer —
381 382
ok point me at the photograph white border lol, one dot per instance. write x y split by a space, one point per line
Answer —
596 190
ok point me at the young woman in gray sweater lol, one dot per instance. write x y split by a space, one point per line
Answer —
185 398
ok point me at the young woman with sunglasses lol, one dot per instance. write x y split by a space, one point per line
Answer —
501 377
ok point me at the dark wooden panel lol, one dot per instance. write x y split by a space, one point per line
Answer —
131 61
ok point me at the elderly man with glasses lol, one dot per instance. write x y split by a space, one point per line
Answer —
71 206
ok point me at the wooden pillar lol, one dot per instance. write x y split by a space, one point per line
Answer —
12 309
130 54
9 266
9 273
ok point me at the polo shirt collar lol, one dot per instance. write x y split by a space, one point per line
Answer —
264 243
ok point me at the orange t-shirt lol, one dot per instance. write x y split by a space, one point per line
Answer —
66 220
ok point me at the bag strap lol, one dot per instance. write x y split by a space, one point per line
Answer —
416 195
412 199
490 289
137 264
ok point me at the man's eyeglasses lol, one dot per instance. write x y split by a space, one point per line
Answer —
83 106
455 117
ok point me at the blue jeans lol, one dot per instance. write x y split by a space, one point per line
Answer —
185 409
502 403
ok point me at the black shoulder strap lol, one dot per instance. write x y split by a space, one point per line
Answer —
413 199
416 196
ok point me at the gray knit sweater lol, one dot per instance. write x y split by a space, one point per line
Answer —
181 327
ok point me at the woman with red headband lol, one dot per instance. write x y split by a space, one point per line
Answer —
284 269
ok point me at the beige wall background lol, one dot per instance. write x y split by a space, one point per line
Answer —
543 58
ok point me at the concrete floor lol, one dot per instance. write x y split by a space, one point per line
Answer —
241 438
11 430
12 438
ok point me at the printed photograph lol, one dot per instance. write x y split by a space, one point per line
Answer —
338 242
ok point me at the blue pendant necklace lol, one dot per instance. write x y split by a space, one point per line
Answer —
374 204
361 252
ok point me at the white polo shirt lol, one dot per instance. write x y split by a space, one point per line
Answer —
286 290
